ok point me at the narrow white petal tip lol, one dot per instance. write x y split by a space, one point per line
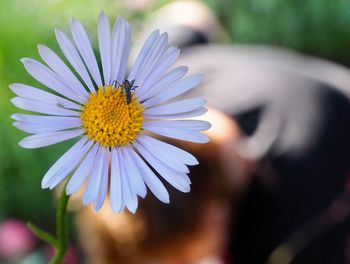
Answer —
85 202
165 34
25 60
207 125
74 20
12 87
184 68
102 14
44 185
166 200
41 47
120 19
58 31
68 191
195 163
205 139
97 208
116 210
186 189
132 210
22 144
156 32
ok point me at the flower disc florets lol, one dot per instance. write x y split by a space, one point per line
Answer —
109 120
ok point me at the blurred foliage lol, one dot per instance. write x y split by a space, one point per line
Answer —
318 27
312 26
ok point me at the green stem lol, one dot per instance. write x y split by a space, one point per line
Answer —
60 241
42 234
61 228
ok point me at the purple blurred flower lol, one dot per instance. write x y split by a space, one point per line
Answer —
16 240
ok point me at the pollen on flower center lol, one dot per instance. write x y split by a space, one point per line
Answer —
108 119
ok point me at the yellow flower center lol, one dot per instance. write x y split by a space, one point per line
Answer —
108 119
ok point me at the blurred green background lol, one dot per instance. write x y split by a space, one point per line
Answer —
318 27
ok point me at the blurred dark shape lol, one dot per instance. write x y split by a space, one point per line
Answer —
288 91
187 36
16 240
336 213
298 114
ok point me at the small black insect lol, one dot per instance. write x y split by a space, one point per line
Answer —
127 88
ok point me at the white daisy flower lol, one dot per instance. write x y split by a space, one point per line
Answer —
113 115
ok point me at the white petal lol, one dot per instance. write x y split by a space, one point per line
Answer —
29 92
38 129
25 118
164 84
93 185
134 177
126 51
44 124
116 198
189 114
41 107
168 59
50 79
61 162
129 195
120 36
175 152
152 59
69 166
182 134
46 139
58 66
73 57
104 40
182 106
179 88
164 157
178 180
83 44
84 169
135 70
196 125
152 181
104 183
